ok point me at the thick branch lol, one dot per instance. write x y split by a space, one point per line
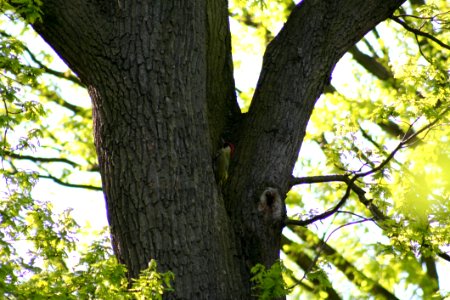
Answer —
370 64
319 179
444 256
432 273
222 107
293 76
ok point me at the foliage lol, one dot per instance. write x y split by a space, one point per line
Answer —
41 259
397 95
28 9
151 283
268 283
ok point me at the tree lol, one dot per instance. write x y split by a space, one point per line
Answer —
160 76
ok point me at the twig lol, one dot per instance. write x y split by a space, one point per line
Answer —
405 141
347 224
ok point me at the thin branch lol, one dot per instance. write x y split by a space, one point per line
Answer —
417 141
351 186
405 141
370 47
51 95
55 73
323 242
376 212
81 186
305 262
407 138
419 45
325 214
347 224
432 18
41 159
419 32
350 213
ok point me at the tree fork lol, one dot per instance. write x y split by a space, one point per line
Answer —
150 73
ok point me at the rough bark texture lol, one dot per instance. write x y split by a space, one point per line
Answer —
145 67
296 66
223 110
160 77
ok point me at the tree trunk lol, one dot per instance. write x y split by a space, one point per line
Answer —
160 77
296 66
146 72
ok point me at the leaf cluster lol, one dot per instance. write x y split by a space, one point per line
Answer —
41 257
29 10
269 283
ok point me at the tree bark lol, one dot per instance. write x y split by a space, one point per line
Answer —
160 77
146 72
223 109
296 66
